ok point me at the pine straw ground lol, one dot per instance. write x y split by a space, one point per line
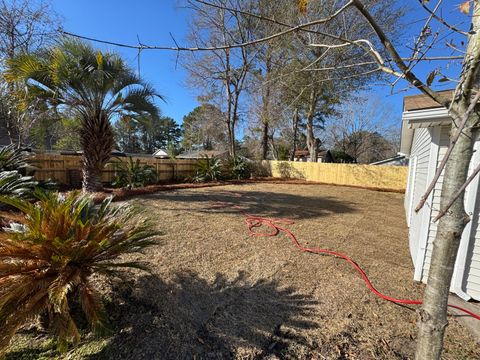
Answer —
217 293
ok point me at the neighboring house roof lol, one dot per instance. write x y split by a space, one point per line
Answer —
300 153
80 152
399 159
160 152
324 155
198 154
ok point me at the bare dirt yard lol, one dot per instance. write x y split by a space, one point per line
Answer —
217 293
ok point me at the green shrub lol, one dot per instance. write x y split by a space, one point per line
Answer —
237 168
49 260
131 174
260 169
208 169
283 153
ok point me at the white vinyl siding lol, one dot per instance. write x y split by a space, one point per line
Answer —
428 147
435 204
471 281
422 141
472 265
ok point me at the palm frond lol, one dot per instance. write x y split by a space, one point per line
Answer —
138 100
12 158
14 184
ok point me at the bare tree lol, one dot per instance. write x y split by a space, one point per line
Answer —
25 25
222 74
316 93
271 61
364 130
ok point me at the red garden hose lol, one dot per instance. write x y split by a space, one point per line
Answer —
253 222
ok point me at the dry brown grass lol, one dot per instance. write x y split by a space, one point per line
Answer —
217 293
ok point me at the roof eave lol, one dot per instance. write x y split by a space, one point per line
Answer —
422 118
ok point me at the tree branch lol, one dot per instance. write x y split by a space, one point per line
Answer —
455 138
223 47
457 194
442 21
434 58
408 75
423 33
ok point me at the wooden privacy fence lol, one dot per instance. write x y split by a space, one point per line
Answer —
66 169
368 176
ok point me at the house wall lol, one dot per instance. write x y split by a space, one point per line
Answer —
435 202
471 282
467 268
468 261
418 177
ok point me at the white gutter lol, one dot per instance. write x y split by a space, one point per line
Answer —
426 211
419 119
406 139
426 115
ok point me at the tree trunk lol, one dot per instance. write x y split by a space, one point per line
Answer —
295 134
274 148
432 319
233 150
265 140
266 105
91 178
97 141
231 139
311 141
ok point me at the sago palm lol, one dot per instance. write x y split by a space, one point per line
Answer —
12 158
49 259
208 169
97 86
12 183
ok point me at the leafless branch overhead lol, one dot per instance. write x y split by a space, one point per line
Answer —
453 141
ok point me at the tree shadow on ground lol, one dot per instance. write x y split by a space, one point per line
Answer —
264 203
191 317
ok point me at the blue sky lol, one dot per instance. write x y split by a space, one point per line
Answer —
152 21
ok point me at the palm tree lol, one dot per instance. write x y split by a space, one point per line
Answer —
97 86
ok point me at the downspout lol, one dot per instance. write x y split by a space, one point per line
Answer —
426 212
